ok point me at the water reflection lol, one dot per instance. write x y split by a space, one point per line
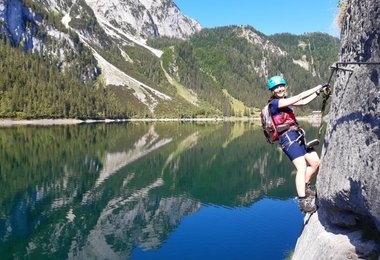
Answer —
99 191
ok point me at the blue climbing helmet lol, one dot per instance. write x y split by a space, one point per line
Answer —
275 81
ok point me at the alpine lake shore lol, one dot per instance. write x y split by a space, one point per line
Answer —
315 121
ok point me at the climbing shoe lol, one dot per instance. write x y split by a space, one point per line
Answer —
309 191
312 143
307 204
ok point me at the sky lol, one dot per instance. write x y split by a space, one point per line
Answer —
267 16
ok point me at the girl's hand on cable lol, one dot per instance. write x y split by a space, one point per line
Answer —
325 88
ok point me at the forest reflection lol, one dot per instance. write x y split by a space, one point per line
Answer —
100 190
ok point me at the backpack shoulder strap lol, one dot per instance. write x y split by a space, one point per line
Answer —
270 111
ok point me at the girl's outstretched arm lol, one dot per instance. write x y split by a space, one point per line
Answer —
300 97
307 100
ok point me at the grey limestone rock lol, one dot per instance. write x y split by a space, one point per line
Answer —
348 182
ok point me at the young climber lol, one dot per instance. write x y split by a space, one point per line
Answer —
291 136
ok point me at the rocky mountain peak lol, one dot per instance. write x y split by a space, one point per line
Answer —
255 38
144 18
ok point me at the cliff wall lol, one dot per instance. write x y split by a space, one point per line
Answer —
347 224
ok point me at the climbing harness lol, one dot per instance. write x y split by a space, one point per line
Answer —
336 66
301 136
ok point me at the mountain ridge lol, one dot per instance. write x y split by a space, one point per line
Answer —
93 43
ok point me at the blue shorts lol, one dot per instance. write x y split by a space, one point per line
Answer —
292 147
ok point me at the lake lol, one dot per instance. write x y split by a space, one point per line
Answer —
169 190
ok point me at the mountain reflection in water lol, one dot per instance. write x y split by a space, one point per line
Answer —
103 190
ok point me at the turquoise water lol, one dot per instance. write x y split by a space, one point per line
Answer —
145 191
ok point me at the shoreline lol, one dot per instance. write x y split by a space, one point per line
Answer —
49 122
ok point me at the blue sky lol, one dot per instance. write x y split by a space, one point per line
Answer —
266 16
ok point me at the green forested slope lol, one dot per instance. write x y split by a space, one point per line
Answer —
322 48
218 58
30 88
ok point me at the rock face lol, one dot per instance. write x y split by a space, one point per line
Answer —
144 18
348 182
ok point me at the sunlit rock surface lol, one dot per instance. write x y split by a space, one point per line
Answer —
348 220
